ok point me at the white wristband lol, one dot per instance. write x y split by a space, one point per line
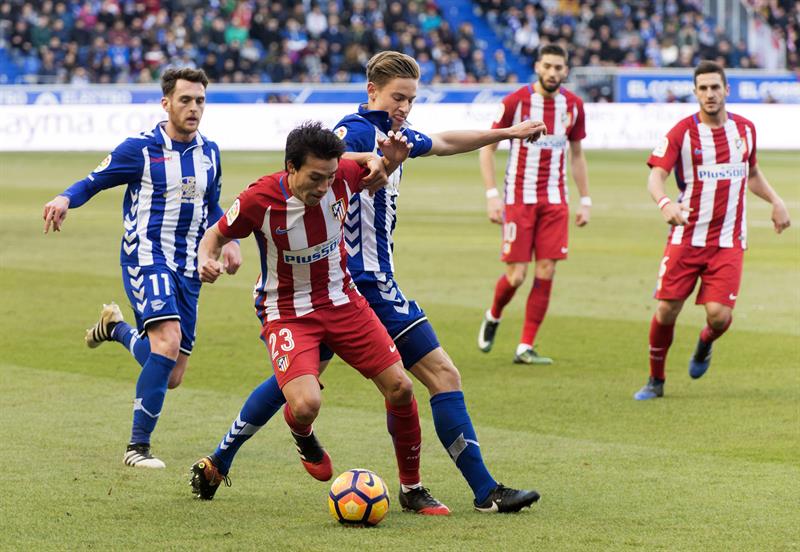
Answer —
663 202
492 192
586 201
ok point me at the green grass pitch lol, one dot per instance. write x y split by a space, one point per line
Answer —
713 466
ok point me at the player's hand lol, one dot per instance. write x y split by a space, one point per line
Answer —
377 177
529 131
494 209
210 271
780 216
583 215
55 212
676 213
395 149
231 257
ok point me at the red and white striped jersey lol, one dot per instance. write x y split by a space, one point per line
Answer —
712 166
302 251
536 172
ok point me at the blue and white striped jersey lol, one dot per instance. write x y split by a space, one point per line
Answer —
370 221
172 197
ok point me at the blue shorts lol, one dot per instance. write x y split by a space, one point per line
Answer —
403 319
157 293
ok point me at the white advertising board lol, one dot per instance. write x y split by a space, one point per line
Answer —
265 126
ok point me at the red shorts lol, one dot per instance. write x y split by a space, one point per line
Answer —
537 228
351 330
719 270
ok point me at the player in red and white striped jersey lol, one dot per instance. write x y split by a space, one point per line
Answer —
713 153
305 297
535 213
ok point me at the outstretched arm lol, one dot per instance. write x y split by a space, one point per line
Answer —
758 184
461 141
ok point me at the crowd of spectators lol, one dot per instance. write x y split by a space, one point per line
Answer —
634 33
131 41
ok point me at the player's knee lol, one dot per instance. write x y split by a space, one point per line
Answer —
516 278
667 312
445 378
165 338
306 409
545 269
719 321
400 391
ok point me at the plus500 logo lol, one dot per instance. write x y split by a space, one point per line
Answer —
312 254
722 171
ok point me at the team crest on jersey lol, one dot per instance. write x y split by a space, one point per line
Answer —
739 144
661 148
189 191
566 118
339 209
103 164
341 132
282 363
232 213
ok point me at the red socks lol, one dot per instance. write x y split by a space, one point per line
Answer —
403 424
296 427
709 334
535 309
660 340
503 292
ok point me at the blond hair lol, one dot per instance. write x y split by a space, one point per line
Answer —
385 66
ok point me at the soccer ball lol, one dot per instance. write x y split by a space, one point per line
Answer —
358 497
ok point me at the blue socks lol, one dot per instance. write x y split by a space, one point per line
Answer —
260 406
129 337
151 388
456 433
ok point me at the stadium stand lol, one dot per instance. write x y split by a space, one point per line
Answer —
455 41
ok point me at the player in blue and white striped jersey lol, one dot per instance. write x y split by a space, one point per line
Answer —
173 177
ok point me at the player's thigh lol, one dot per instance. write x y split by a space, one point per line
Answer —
152 293
437 372
720 281
356 335
518 224
188 297
551 232
293 346
678 271
403 319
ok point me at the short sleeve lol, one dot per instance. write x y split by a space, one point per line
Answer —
665 154
505 111
578 130
751 159
420 143
245 215
358 135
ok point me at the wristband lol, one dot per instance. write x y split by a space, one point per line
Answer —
663 202
586 201
492 192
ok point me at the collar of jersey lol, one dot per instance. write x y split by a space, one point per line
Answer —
162 139
378 118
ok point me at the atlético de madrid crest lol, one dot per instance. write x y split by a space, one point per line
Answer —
339 209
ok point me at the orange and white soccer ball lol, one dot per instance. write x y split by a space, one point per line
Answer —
358 497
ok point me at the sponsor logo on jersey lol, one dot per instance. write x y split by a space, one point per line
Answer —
550 141
661 148
312 254
159 159
341 132
232 213
157 305
282 363
721 171
103 164
189 191
339 209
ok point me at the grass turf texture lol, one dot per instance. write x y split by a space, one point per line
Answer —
713 466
